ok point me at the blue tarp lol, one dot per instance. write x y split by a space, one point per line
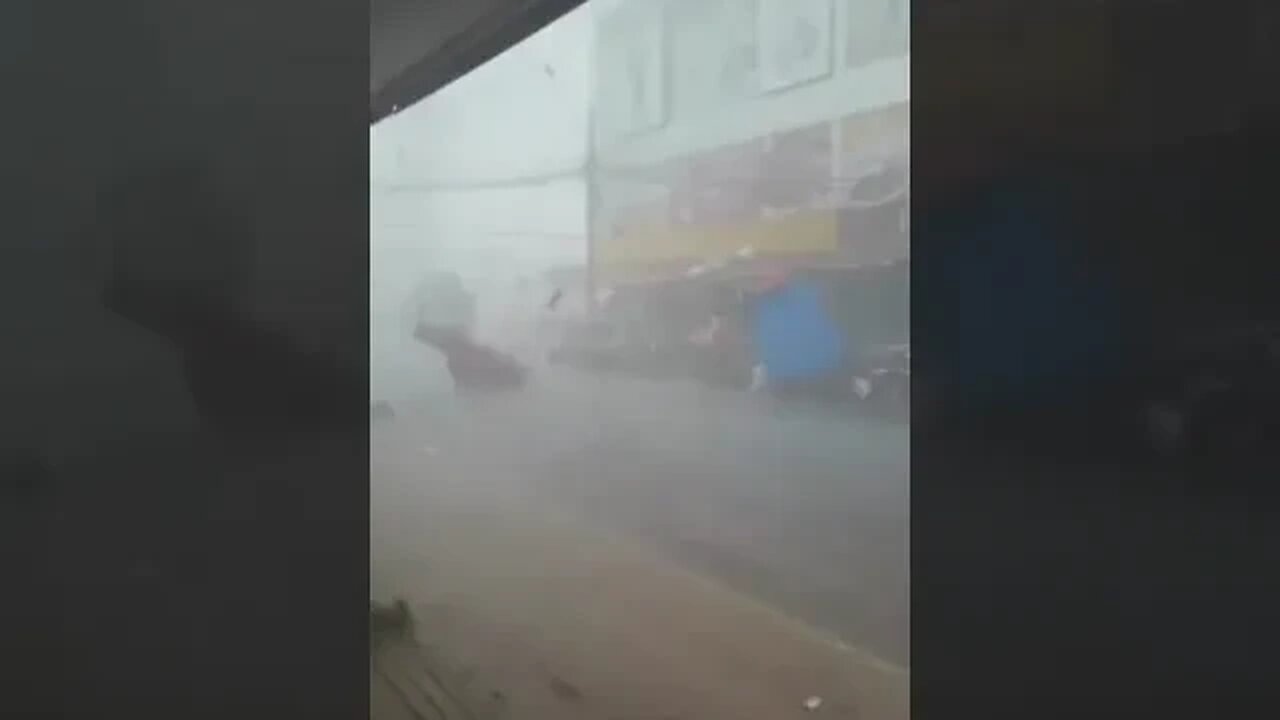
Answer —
794 334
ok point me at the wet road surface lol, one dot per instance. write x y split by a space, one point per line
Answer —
800 509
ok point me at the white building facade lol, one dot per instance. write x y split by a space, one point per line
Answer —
749 128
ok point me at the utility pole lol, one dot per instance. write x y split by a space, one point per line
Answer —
591 178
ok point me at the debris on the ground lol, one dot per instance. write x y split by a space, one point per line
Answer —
812 703
564 690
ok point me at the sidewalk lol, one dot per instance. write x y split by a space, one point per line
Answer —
533 614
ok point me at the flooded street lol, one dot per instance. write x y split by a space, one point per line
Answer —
792 508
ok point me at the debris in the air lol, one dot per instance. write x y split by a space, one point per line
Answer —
428 450
746 252
812 703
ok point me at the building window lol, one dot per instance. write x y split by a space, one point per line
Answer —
795 41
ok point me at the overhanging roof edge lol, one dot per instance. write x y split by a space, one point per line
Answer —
479 42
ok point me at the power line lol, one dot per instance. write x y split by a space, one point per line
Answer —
610 174
520 181
593 173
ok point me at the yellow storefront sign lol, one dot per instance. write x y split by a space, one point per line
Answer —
804 233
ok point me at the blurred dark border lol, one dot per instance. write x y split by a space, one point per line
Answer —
1057 568
166 574
185 457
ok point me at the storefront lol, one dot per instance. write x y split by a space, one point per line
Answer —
830 193
741 138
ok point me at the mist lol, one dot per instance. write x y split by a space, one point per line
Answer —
647 422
